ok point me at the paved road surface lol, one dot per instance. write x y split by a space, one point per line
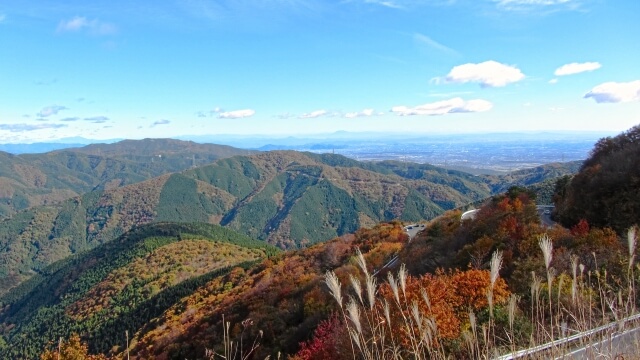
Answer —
545 215
619 346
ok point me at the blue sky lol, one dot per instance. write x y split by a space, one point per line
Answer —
135 69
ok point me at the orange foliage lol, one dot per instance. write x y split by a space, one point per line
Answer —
450 297
73 349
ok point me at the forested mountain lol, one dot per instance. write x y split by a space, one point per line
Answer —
286 198
173 286
606 190
533 176
121 285
28 180
283 302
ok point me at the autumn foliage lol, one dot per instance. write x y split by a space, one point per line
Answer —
72 349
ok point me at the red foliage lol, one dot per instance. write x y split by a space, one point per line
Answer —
325 341
581 228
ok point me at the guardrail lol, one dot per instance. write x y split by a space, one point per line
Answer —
569 339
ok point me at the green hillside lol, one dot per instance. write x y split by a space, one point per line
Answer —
121 285
288 199
40 179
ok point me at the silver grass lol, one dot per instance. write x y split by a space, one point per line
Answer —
547 249
496 264
355 284
490 301
632 239
472 321
513 301
333 283
371 291
536 285
361 262
387 312
402 277
574 281
355 338
415 312
354 315
394 286
425 297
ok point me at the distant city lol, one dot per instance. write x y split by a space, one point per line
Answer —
475 153
473 156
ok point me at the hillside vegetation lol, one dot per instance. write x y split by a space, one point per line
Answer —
288 199
40 179
121 285
606 190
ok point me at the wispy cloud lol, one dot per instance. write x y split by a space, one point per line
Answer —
487 74
97 119
448 94
615 92
313 114
51 110
46 82
29 127
576 68
385 3
236 114
407 4
160 122
69 119
454 105
429 42
285 116
363 113
81 23
532 5
553 81
2 17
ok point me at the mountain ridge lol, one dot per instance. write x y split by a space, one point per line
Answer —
28 180
286 198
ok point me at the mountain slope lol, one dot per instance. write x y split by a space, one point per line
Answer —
120 285
38 179
606 190
286 198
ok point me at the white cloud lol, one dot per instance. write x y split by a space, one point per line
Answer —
488 74
97 119
2 17
237 114
51 110
363 113
553 81
29 127
454 105
576 68
615 92
80 23
425 40
313 114
160 122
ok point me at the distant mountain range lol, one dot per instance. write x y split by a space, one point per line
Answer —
286 198
28 180
324 141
